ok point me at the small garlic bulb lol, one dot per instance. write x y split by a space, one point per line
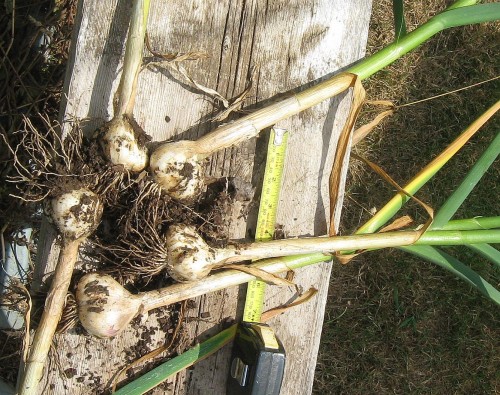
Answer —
75 214
189 258
176 168
105 308
120 145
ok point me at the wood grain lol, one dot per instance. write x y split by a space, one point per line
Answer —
292 43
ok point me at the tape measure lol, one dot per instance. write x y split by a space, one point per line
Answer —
258 357
266 220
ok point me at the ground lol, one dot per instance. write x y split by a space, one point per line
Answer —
395 324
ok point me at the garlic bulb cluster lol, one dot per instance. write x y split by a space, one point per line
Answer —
104 306
121 147
76 214
177 169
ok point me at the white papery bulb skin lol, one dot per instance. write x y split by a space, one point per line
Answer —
177 169
75 214
189 257
120 146
105 308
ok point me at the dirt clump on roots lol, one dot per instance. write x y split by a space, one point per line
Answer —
47 165
130 242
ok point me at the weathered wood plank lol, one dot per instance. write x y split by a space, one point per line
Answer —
292 42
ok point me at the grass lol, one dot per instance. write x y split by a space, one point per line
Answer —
395 324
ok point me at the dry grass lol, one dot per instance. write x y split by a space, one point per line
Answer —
395 324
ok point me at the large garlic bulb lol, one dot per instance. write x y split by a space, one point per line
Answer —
121 147
75 214
177 169
189 257
104 307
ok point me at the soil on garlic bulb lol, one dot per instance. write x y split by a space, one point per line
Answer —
123 141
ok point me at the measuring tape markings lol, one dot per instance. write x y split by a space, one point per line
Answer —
266 219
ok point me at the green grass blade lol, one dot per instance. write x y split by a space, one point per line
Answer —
159 374
487 251
399 19
473 223
456 267
455 200
451 18
462 3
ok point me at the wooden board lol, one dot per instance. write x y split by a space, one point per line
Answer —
292 42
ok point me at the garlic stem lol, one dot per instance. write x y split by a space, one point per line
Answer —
75 214
133 59
176 166
250 126
119 137
52 311
190 258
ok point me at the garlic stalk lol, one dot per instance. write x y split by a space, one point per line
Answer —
179 174
177 166
75 214
105 308
119 138
190 258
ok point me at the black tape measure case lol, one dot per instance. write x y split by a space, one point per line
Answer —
257 361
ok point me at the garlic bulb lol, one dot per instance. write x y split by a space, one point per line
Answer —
104 306
189 258
121 146
75 214
177 169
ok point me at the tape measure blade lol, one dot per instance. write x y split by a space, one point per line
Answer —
254 301
266 220
271 185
